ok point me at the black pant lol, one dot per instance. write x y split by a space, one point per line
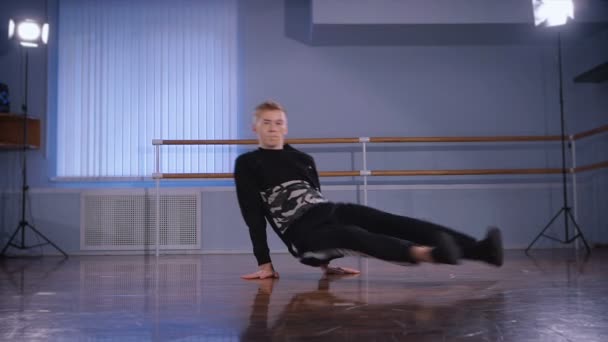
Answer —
356 229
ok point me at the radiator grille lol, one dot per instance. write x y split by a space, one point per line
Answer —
127 221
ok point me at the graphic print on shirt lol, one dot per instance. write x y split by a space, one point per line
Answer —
289 200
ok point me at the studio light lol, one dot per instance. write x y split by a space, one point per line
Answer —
552 12
549 13
28 32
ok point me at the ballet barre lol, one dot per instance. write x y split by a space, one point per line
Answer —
365 173
463 172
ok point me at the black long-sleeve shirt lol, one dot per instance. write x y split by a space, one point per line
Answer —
278 186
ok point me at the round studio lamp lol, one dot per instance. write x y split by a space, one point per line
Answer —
28 32
552 12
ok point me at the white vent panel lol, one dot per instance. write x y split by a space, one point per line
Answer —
127 220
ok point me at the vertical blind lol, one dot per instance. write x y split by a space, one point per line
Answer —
137 70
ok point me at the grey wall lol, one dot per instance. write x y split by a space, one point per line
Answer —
371 90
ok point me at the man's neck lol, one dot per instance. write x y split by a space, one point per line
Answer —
279 147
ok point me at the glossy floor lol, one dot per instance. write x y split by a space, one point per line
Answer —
551 296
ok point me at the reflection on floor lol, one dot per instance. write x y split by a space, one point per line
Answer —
551 296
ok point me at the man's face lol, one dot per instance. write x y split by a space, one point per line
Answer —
271 128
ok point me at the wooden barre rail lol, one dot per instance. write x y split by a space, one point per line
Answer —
577 136
307 141
595 166
591 132
466 172
304 141
255 142
470 172
465 139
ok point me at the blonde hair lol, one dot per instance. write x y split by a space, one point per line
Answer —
267 106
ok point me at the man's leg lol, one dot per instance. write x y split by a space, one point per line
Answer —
329 241
418 231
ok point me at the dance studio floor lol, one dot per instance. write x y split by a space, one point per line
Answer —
553 296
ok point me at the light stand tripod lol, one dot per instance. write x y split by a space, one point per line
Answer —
566 208
23 223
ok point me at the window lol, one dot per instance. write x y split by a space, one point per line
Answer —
132 71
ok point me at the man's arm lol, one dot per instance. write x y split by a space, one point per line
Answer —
252 210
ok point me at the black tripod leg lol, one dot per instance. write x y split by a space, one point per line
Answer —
47 240
11 239
580 232
544 229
